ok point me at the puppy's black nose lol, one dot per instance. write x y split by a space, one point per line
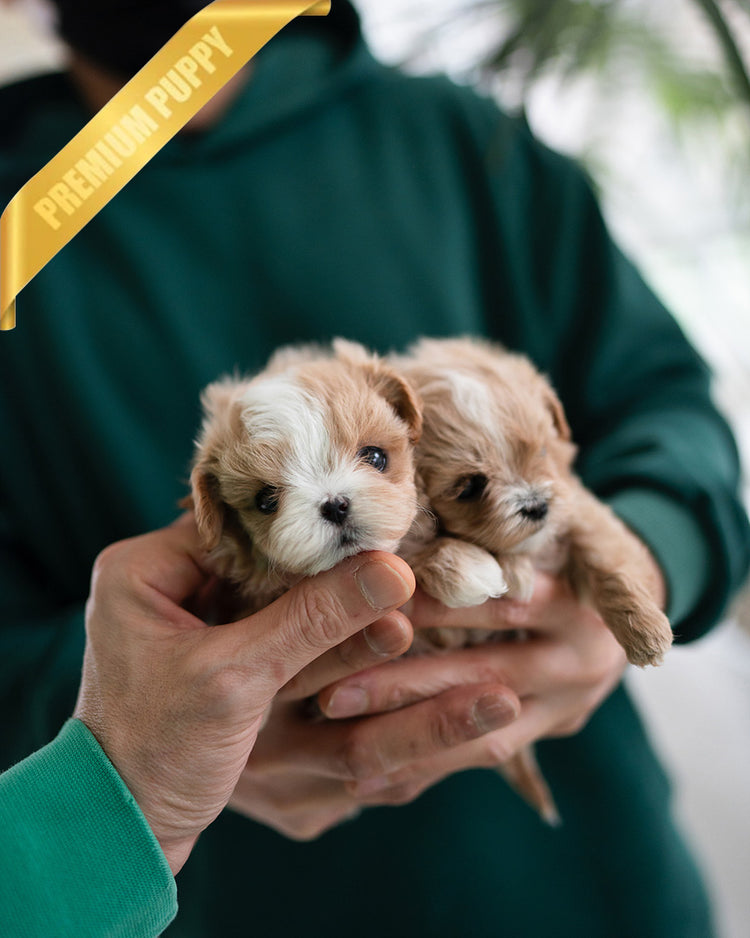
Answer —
335 510
536 510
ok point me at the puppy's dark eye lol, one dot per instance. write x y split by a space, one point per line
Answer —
267 499
374 456
470 488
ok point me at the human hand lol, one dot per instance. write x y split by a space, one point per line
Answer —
304 775
176 704
566 665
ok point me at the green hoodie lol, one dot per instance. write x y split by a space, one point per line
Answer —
339 197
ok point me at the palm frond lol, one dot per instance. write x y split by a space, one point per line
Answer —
575 37
735 63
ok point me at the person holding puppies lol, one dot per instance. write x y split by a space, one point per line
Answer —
325 195
180 762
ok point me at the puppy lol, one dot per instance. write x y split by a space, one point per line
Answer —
304 464
494 469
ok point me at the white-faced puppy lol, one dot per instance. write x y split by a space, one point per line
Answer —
494 469
302 465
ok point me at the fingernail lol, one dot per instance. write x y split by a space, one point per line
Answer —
492 711
381 586
347 701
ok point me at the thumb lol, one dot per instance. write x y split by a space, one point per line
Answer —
321 612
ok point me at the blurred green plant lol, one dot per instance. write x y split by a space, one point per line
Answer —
690 57
574 37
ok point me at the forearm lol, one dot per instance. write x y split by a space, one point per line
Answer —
669 467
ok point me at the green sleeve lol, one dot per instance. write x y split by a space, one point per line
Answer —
654 445
637 395
77 857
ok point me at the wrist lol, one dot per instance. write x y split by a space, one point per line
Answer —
175 843
176 852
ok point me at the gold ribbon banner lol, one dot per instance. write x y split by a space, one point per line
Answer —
130 129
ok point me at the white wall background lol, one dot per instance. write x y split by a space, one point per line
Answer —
666 204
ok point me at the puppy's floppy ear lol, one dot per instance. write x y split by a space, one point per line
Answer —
208 505
553 405
402 398
386 381
527 373
220 417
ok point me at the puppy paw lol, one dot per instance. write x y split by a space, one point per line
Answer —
484 580
647 637
521 577
637 623
460 574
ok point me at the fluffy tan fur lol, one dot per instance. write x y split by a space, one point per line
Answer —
301 431
494 469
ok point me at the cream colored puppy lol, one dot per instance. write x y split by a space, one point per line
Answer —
494 469
302 465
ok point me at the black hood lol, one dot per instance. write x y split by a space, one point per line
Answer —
122 35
